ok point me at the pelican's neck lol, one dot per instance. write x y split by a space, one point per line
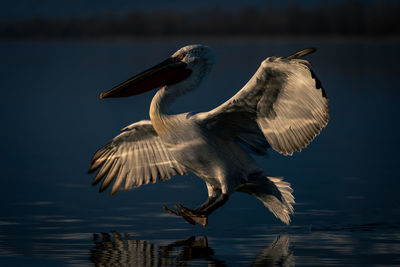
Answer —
160 117
159 108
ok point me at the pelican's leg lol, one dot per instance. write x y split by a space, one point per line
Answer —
220 201
208 202
226 190
213 194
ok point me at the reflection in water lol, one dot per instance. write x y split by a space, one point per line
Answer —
276 254
122 250
115 249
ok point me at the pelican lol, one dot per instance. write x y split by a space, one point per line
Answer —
283 107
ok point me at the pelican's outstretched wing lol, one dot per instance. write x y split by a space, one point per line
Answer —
136 156
283 102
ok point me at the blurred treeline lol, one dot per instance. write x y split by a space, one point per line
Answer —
345 19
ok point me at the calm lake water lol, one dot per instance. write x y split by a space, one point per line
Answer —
345 183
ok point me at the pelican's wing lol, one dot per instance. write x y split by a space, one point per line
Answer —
136 156
283 103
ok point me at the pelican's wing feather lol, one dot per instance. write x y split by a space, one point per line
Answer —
136 156
283 102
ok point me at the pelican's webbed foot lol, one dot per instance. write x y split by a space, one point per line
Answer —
189 215
188 211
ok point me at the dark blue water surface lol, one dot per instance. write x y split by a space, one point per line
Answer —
346 182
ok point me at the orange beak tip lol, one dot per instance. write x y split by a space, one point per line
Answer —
102 95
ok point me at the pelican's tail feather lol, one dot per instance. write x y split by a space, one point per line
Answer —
274 193
282 207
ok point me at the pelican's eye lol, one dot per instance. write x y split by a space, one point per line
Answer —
180 56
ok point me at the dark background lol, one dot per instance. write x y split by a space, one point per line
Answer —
101 19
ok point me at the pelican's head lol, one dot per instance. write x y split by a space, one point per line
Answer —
184 70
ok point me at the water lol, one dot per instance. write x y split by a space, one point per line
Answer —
345 182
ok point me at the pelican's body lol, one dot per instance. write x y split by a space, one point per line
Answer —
222 163
283 106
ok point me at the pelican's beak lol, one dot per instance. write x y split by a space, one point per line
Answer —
168 72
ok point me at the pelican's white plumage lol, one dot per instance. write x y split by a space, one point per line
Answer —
283 106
